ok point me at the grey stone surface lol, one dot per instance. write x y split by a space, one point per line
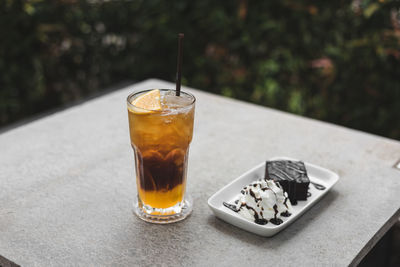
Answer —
67 183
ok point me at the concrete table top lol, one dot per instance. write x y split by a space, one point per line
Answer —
67 184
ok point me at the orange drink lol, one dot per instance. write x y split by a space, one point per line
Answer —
161 129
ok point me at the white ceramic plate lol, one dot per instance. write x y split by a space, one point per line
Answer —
230 193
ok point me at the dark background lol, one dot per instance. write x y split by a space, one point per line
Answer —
337 61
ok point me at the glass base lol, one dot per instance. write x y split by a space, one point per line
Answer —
163 216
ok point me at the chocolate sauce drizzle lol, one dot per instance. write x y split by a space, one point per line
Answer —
276 220
254 195
285 203
318 186
287 170
257 219
261 221
230 206
286 214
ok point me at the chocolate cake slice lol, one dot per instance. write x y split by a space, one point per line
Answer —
291 175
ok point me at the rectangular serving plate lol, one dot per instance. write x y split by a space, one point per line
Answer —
231 191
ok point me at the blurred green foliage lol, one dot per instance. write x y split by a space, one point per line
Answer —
337 61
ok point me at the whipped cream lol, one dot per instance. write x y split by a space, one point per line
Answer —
262 201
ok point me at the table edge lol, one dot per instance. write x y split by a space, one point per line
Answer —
374 240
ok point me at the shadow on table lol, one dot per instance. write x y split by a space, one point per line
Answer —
169 244
286 234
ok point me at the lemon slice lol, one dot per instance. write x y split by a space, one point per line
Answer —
148 102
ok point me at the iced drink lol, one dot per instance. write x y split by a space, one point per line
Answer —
160 132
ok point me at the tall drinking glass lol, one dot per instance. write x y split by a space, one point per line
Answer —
160 140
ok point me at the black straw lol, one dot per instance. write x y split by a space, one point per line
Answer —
179 64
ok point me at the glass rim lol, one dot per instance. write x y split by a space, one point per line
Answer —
132 95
